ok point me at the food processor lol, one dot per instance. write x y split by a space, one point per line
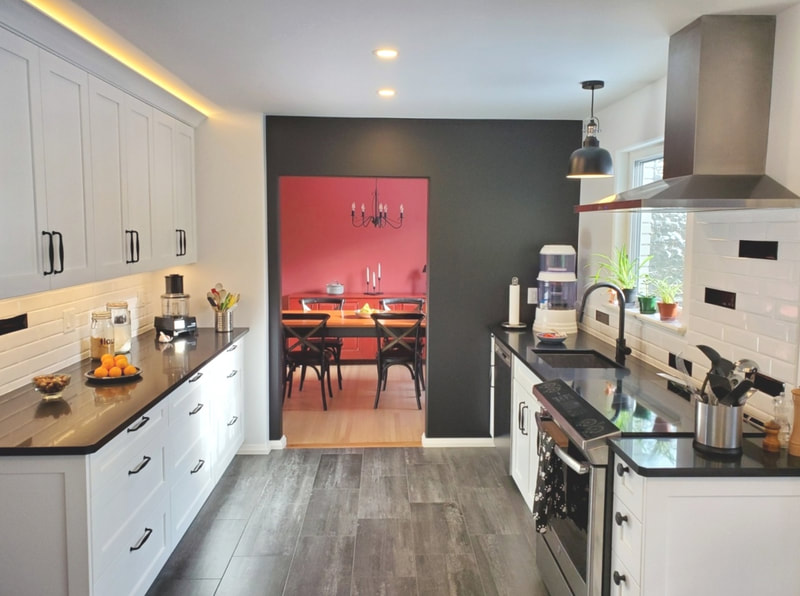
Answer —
175 319
558 290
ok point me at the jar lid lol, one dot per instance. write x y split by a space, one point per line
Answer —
101 314
117 305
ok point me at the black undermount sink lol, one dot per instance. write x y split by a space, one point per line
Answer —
576 359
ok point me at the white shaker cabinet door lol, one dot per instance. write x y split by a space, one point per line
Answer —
184 193
65 119
165 237
21 177
138 176
106 106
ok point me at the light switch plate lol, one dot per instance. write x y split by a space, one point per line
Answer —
533 295
69 319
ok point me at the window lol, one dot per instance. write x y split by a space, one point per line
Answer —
660 234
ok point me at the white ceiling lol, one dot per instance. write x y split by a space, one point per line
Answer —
516 59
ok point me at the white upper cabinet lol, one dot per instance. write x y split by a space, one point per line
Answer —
21 185
67 172
94 183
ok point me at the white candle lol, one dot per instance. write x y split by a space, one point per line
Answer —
379 270
367 274
401 210
373 281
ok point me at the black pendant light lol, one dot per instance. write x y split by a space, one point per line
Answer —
591 161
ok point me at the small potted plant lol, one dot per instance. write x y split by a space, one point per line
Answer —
667 292
647 301
622 271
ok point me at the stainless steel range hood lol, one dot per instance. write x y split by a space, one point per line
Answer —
719 81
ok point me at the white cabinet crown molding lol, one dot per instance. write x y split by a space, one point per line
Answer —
25 20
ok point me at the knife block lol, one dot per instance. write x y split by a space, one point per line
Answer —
794 439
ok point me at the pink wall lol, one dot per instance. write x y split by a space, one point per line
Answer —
319 245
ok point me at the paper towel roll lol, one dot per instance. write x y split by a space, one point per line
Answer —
513 302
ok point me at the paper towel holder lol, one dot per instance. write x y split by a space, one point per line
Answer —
513 307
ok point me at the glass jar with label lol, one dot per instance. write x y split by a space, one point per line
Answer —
102 338
121 320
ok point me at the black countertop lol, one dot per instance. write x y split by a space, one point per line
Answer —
657 424
90 414
676 456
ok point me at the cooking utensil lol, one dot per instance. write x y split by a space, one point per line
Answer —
720 385
737 394
719 365
680 365
743 369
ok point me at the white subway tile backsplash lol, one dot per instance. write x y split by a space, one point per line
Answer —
776 329
785 230
759 305
779 350
707 328
741 338
783 371
787 312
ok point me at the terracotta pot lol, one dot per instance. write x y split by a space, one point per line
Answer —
668 312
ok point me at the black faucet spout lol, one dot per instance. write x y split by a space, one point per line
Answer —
622 349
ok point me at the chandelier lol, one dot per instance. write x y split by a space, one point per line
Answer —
380 214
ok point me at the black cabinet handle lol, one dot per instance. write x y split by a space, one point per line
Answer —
618 579
197 408
141 423
232 348
522 428
519 416
619 518
136 232
199 465
129 258
233 373
140 543
49 251
181 242
622 470
233 421
140 466
60 252
184 242
196 377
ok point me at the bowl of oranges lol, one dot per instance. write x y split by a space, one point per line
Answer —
114 369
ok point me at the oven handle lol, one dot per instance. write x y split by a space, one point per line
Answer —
575 465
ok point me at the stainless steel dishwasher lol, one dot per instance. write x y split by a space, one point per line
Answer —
501 385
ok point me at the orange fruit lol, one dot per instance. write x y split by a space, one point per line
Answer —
105 357
108 364
115 371
100 372
121 361
129 370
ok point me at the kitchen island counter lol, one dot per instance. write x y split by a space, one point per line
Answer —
91 413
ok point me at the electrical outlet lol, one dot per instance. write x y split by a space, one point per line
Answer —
533 295
69 319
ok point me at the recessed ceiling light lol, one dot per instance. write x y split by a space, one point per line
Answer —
386 53
386 92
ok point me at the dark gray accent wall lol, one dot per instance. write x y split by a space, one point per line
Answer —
497 193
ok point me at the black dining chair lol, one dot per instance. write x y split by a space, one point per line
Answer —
399 335
405 305
301 349
331 343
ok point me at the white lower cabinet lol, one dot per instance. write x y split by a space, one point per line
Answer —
673 536
104 524
524 444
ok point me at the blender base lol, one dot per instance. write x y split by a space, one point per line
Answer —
562 321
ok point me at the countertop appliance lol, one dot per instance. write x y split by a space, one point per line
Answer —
557 290
501 406
175 318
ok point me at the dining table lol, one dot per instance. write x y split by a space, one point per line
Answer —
349 323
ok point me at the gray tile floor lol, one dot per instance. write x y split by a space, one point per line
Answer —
359 522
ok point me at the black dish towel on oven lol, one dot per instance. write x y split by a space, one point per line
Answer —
548 500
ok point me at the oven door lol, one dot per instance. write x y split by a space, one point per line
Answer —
575 543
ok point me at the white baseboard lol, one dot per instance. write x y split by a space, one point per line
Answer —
457 442
279 444
255 449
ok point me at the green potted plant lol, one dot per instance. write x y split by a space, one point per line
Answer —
620 270
647 301
667 292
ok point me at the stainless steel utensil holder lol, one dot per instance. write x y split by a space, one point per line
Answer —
223 321
718 429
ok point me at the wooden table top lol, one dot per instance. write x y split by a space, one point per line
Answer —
347 319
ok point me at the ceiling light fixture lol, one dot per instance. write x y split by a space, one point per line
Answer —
386 92
380 214
385 53
591 161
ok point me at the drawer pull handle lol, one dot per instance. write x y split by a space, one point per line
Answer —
620 519
233 373
199 465
197 408
232 348
141 465
139 425
233 421
618 579
140 543
622 470
522 419
196 377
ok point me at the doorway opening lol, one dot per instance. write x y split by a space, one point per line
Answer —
322 251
